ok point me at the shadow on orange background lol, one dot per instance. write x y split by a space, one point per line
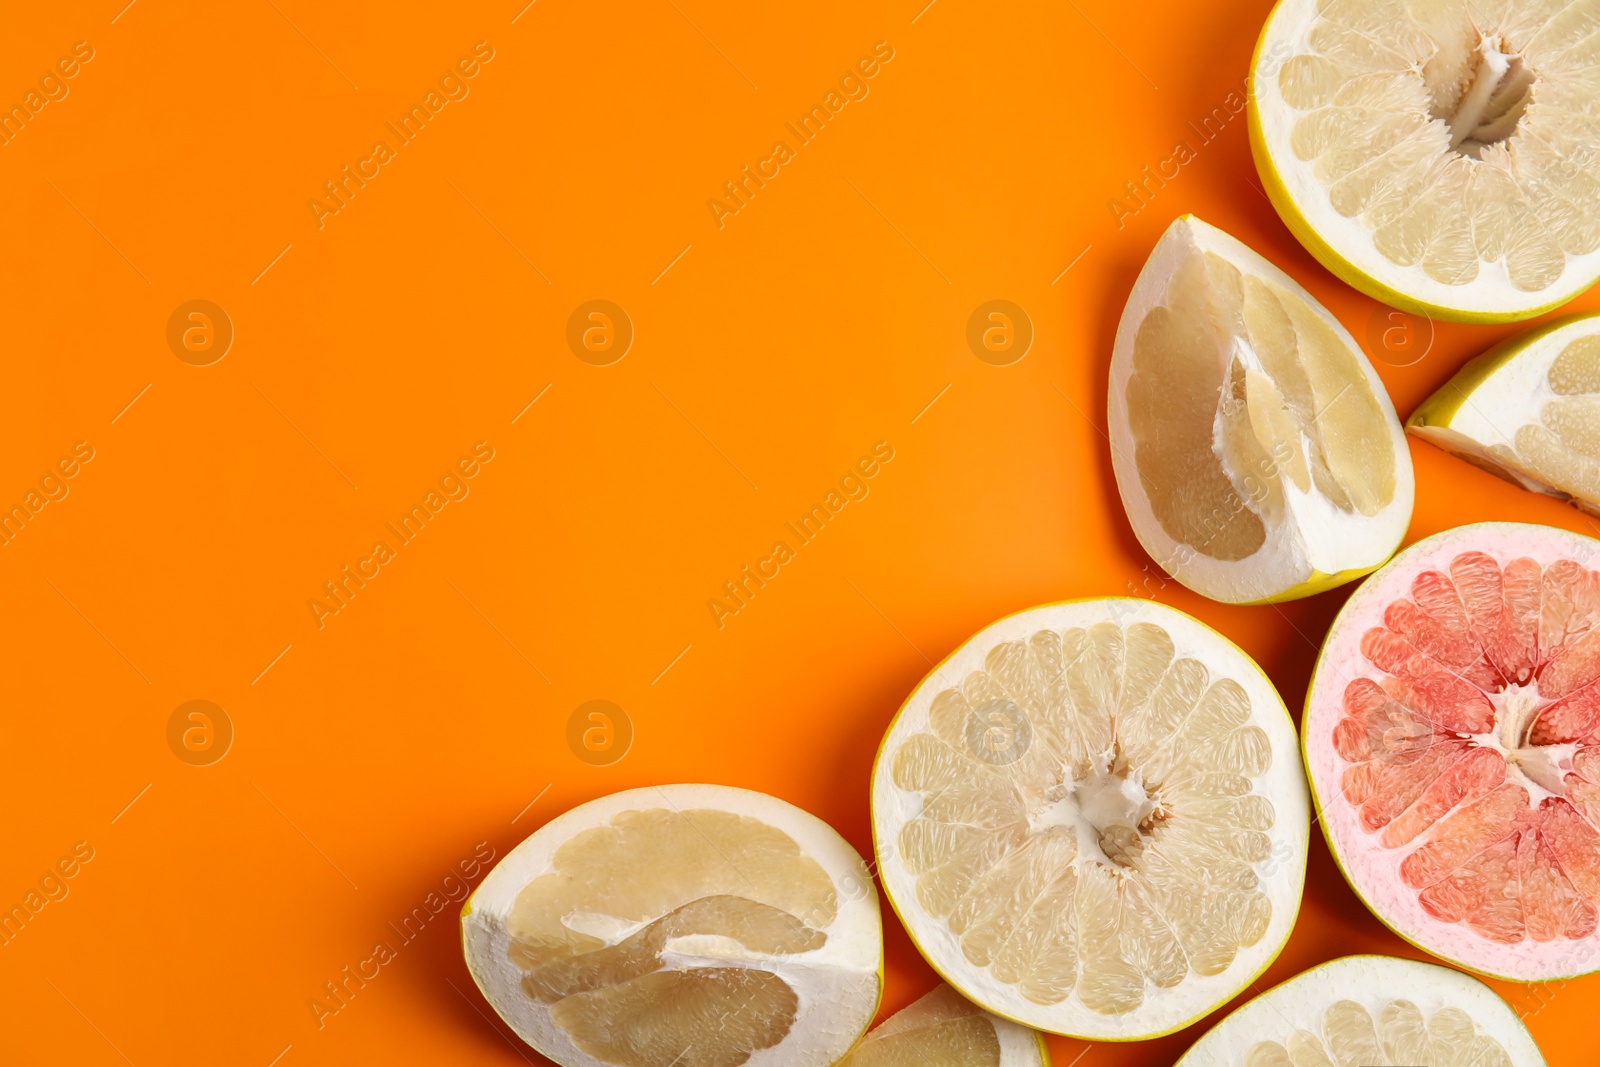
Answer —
382 742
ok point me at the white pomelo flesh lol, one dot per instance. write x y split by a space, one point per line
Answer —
1256 451
1437 154
1371 1011
1452 738
680 926
944 1029
1528 410
1091 819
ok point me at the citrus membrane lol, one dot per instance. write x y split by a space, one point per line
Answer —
680 926
1255 449
1370 1011
1528 410
944 1029
1439 155
1452 736
1091 820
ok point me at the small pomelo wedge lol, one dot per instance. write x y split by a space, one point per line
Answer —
680 926
1258 456
1370 1011
1452 736
1528 410
1439 155
945 1029
1091 820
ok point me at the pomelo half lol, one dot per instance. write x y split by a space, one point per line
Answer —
1370 1011
1091 820
1438 155
1450 735
945 1029
1257 454
680 926
1528 410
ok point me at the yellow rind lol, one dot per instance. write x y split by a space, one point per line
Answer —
1354 956
1316 804
1278 193
1440 408
878 851
1044 1049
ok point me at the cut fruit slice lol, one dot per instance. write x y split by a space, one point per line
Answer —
1528 410
945 1029
1091 819
1439 155
1256 451
680 926
1452 736
1372 1011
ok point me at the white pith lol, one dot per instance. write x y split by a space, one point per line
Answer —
1316 537
1500 75
1372 868
1099 800
838 984
1371 981
1510 396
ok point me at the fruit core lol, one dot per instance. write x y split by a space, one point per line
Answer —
1108 810
1495 87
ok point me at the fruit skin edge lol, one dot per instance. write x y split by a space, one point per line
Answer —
1309 970
877 1006
1316 802
1439 410
1283 201
911 934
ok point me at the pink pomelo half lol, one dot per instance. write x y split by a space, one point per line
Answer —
1452 739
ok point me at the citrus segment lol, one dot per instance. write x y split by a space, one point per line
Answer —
947 1030
1255 449
681 925
1437 154
1528 410
1370 1011
1452 734
1091 820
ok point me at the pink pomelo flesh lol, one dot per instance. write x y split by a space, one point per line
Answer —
1452 737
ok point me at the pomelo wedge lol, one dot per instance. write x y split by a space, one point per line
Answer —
1255 449
1438 155
1452 736
1370 1011
1091 820
680 926
1528 410
945 1029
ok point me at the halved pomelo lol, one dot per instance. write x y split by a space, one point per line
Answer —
1528 410
1370 1011
1091 820
1438 155
945 1029
1452 735
680 926
1256 451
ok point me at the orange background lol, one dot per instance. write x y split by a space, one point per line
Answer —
374 753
